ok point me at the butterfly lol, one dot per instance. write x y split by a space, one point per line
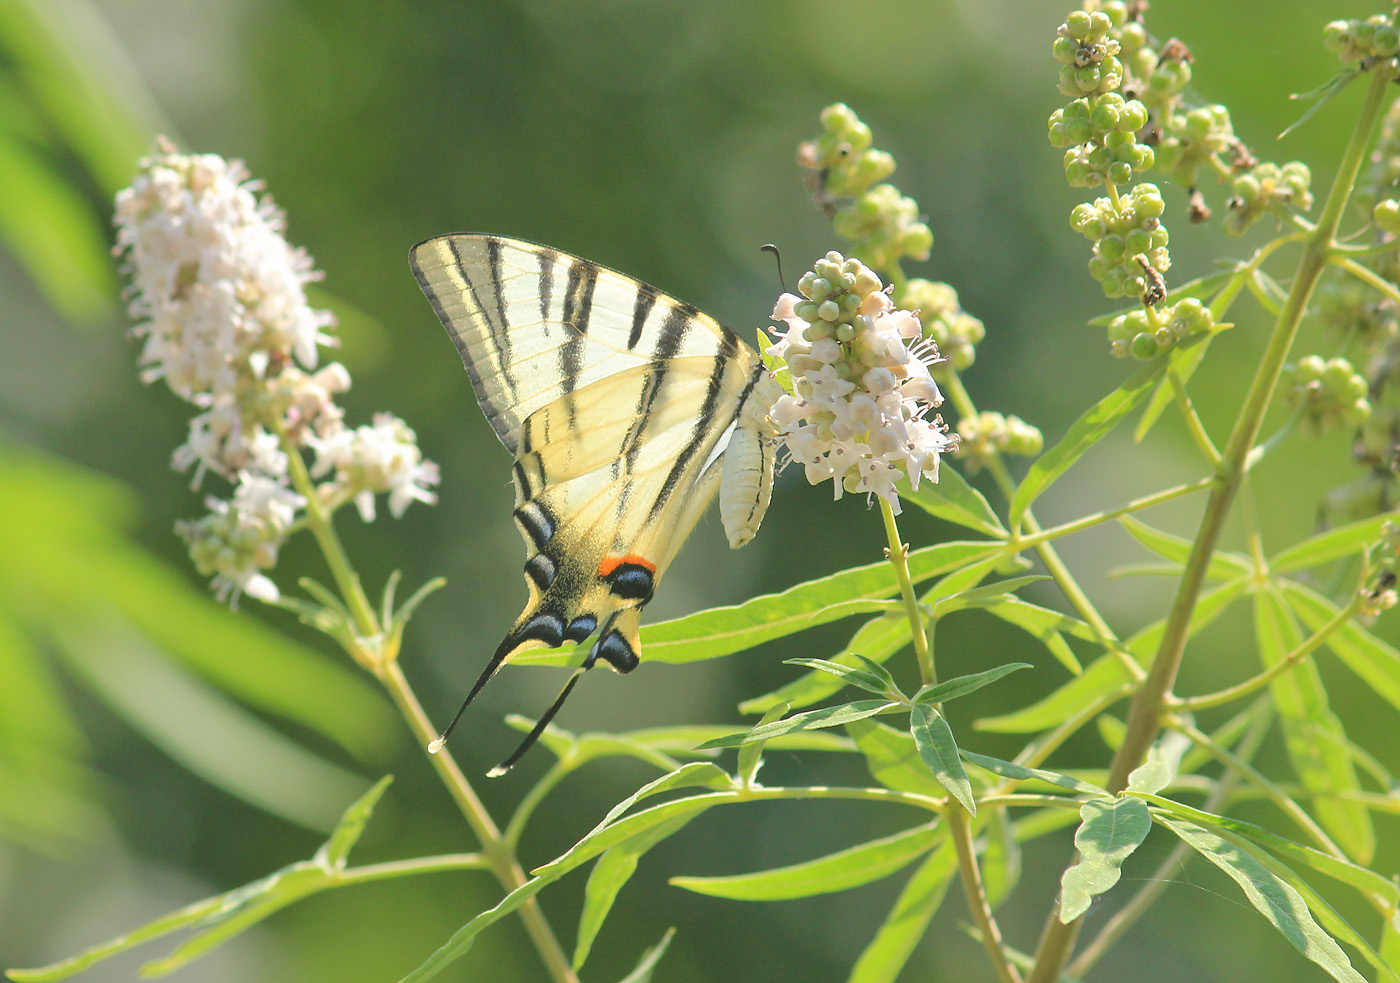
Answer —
625 410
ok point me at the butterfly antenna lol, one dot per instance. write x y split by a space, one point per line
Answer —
507 644
540 725
768 247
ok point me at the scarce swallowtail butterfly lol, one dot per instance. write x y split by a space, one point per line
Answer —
625 410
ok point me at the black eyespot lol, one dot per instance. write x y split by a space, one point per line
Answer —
613 648
544 627
581 627
540 568
632 582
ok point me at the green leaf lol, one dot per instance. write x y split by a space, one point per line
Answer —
934 739
1276 900
1334 544
461 940
881 682
1314 736
1111 830
696 773
202 730
1001 856
1223 565
607 878
1185 359
336 850
1046 625
53 232
608 834
879 638
1107 674
1375 661
1163 760
642 974
952 499
750 755
839 871
808 720
1366 881
1096 423
737 628
1020 773
951 689
893 758
904 926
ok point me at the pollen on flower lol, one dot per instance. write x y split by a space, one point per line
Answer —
861 384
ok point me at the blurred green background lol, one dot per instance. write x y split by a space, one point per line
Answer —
155 749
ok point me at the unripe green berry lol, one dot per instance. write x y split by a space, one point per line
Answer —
1387 215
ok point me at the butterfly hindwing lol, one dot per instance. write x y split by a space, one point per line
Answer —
618 403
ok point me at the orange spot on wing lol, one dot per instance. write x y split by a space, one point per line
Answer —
611 563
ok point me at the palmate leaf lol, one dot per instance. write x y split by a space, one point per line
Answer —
736 628
1111 830
1271 896
1088 430
838 871
1314 736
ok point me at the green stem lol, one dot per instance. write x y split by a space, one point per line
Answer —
1144 716
1188 413
1260 680
405 868
1117 926
899 558
952 383
497 853
1369 276
960 827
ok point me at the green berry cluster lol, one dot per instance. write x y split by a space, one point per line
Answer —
1359 39
1100 133
1329 394
843 154
945 323
1087 54
988 435
843 171
1194 140
1130 241
229 540
1266 188
1147 333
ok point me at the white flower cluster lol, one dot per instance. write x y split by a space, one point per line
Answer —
220 299
861 384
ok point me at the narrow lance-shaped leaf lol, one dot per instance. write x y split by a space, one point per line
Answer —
611 871
879 682
839 871
1283 906
893 758
642 974
951 689
1223 564
1159 770
1314 736
1096 423
934 739
1334 544
953 499
750 755
825 717
1375 661
1111 830
904 926
1020 773
737 628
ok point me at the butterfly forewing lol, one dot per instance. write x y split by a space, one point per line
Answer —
618 403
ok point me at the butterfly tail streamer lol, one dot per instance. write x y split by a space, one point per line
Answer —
507 645
540 724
